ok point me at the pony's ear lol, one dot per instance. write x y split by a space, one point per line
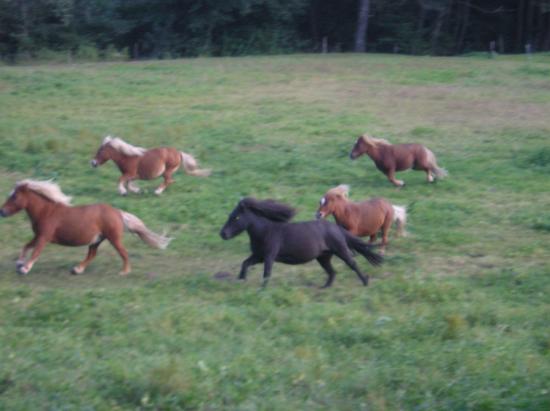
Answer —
244 202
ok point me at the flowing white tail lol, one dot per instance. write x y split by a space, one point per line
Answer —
400 218
191 167
136 226
438 171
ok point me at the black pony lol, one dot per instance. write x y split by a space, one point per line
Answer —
273 238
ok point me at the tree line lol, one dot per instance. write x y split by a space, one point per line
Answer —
175 28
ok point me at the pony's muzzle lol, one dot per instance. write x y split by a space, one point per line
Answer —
352 156
2 213
318 215
223 235
93 163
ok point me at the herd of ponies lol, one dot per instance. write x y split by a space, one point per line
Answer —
273 236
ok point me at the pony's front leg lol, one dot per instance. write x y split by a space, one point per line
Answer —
391 177
133 188
268 265
246 264
23 254
40 243
122 185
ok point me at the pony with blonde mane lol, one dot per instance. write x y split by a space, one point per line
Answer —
365 218
390 158
55 220
138 163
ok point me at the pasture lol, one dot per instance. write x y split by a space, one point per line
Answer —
458 316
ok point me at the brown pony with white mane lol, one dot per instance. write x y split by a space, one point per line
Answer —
138 163
54 220
390 158
362 219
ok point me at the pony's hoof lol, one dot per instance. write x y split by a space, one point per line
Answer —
158 192
124 273
77 270
19 264
22 270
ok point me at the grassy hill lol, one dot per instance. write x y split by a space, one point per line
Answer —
457 318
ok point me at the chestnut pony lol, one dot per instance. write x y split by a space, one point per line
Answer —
390 158
54 220
362 219
138 163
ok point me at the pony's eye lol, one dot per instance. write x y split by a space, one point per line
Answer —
237 217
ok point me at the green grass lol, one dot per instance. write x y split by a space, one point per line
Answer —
457 318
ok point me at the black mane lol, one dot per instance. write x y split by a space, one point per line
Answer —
270 209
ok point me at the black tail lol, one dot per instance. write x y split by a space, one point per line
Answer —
362 248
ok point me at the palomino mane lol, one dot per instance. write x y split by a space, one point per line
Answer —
123 147
341 190
270 209
373 141
48 189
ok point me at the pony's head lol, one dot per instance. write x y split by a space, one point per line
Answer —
20 197
329 202
248 209
364 144
104 153
112 145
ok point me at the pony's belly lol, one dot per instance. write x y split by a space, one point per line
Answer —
76 239
293 260
148 170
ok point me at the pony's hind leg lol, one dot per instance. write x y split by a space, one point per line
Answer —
117 244
324 261
167 180
350 262
429 176
92 251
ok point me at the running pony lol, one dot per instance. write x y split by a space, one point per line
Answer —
362 219
273 238
54 220
138 163
390 158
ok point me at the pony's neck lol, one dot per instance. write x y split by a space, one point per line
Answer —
121 159
39 206
373 152
342 211
258 228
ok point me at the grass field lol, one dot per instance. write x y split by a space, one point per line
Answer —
457 318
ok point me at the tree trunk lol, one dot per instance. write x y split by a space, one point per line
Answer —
419 27
546 45
437 30
463 27
519 26
362 26
529 21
